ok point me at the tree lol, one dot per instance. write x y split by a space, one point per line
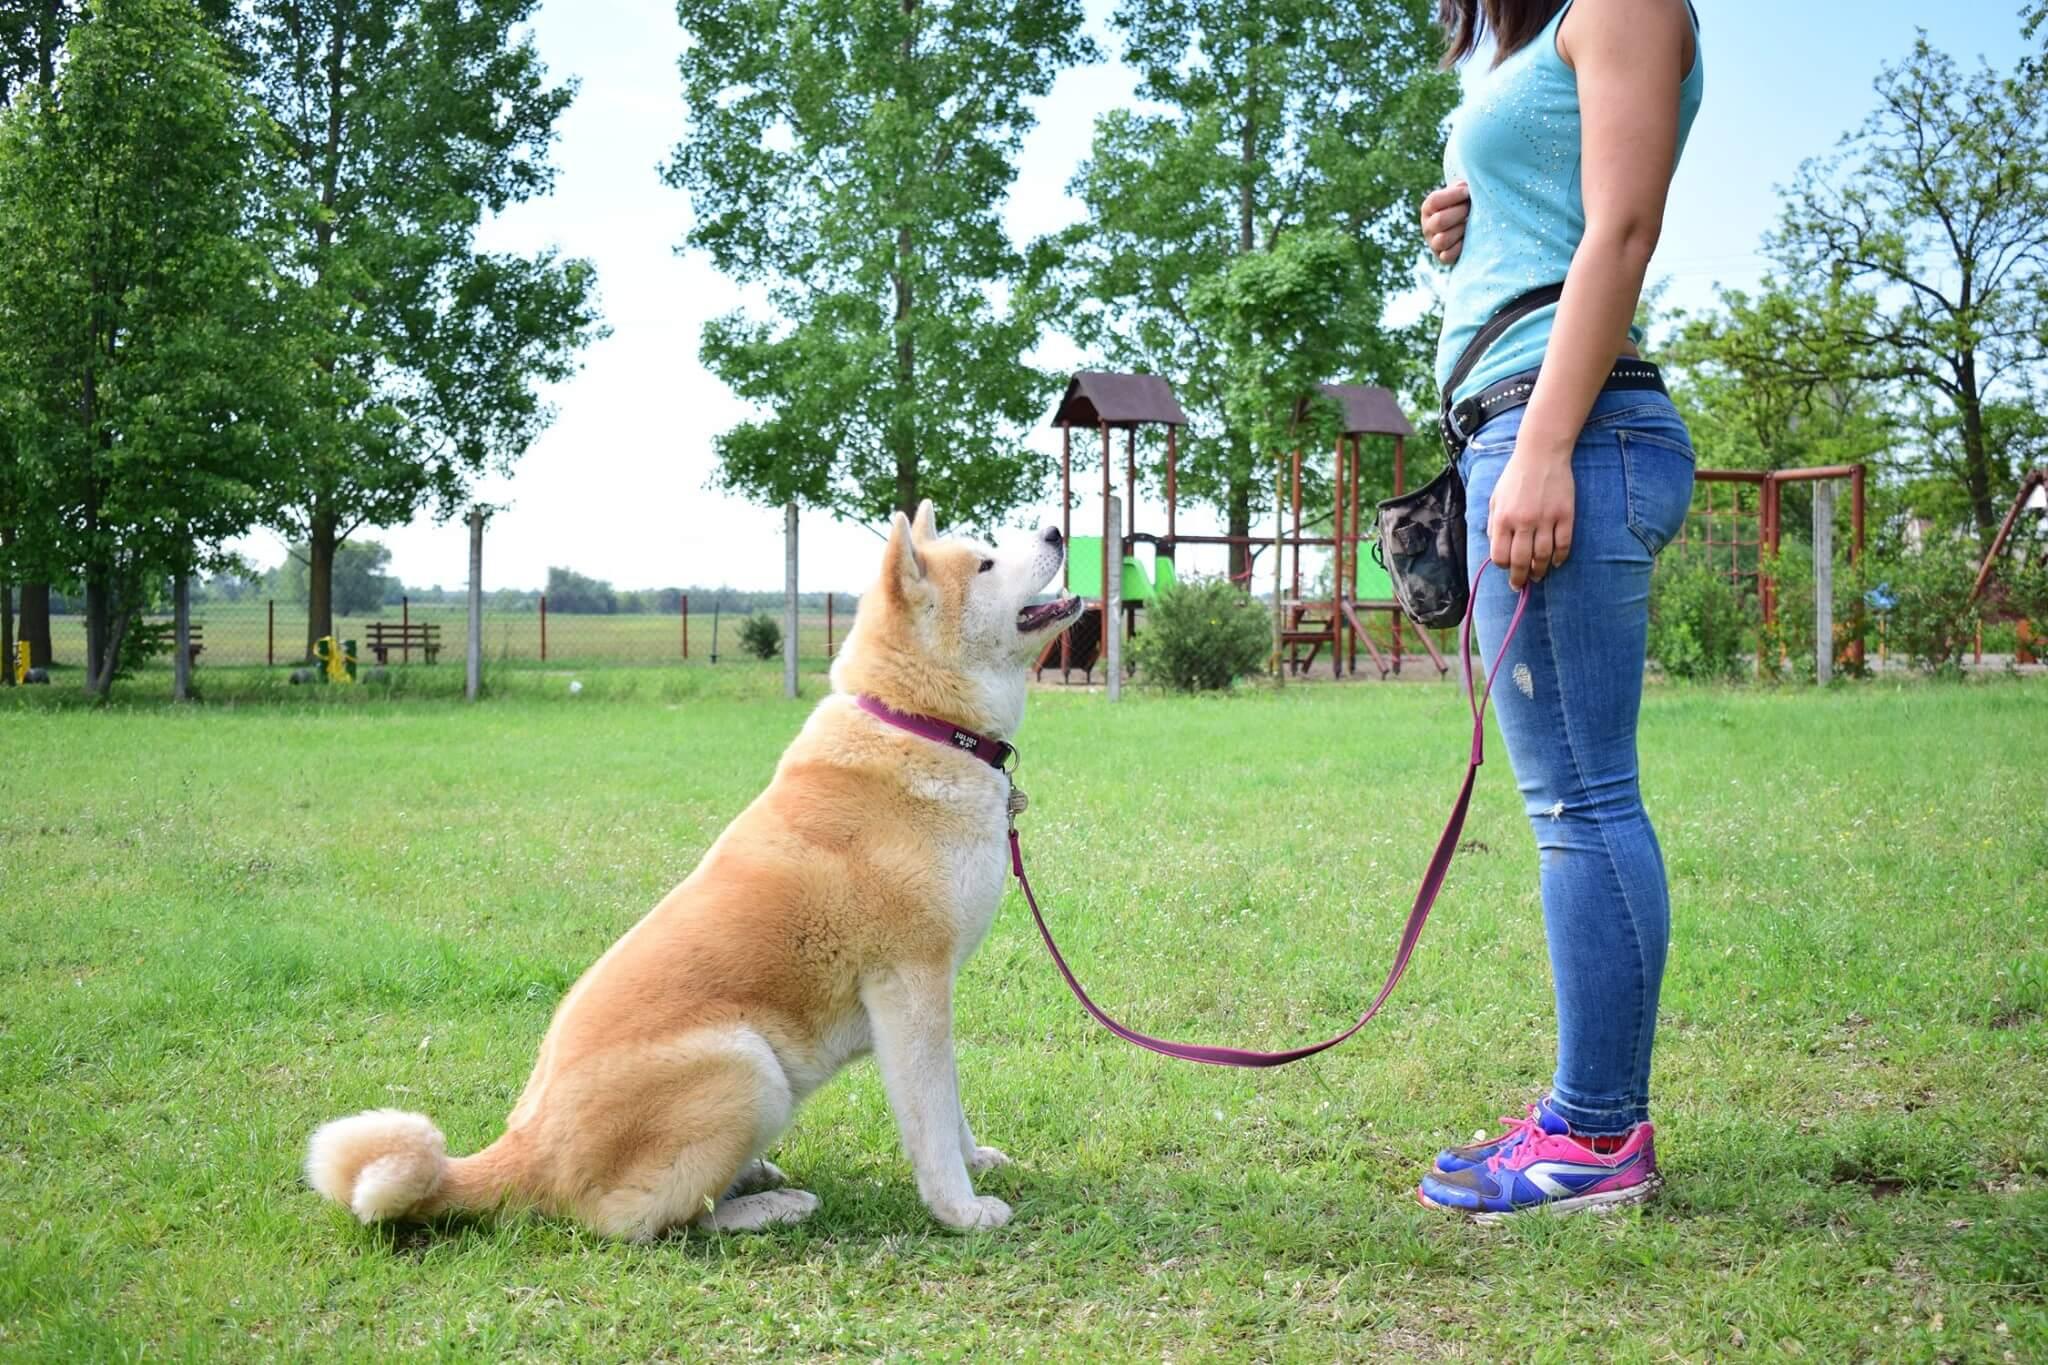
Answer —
135 308
31 35
852 159
1278 118
1764 384
569 591
1931 225
404 123
359 583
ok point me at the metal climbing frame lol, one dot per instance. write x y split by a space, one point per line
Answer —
1763 522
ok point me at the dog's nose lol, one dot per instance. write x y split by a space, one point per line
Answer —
1051 536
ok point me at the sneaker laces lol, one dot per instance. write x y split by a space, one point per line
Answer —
1518 1131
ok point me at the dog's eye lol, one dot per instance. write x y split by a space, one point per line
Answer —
986 565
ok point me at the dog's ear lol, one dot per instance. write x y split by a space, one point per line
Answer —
925 526
903 568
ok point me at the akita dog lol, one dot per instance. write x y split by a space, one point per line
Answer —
830 919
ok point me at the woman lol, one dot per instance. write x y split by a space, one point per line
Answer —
1577 470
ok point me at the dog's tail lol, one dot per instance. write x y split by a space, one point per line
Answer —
389 1164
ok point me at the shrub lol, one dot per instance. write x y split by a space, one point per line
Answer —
1788 646
1698 621
1202 634
760 636
1932 620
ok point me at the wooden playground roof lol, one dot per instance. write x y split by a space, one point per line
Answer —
1368 410
1096 398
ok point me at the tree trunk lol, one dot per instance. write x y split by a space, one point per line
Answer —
1238 500
1976 461
96 633
181 639
903 423
35 623
321 541
6 617
100 674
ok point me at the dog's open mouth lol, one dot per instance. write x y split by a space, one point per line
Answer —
1045 613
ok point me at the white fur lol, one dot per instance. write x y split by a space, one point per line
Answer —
380 1164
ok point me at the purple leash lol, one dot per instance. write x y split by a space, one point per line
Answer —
996 753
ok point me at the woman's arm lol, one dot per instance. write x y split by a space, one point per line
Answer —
1630 57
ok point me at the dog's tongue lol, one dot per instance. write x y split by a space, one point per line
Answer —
1031 618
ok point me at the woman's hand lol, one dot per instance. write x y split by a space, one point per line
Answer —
1529 516
1443 220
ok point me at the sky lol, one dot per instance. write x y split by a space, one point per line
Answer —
619 487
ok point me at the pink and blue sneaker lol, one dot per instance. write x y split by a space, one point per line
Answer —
1541 1118
1534 1168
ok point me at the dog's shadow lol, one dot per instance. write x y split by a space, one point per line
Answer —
854 1210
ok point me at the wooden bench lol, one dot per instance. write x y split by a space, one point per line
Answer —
160 637
404 636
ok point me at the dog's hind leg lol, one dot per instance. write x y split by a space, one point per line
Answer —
752 1212
757 1175
675 1129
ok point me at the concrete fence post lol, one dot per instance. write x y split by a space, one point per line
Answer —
1823 581
789 599
472 686
1113 600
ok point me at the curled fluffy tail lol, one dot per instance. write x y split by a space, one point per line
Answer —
385 1163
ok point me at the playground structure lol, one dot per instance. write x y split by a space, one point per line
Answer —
2032 496
1750 529
1359 585
1107 403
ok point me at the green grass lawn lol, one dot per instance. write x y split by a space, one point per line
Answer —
224 924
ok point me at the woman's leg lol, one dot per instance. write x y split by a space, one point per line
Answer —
1567 703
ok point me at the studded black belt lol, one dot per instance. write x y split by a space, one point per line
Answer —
1461 421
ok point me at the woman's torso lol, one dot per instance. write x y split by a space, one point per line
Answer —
1515 142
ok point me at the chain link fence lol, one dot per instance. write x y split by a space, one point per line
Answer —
272 634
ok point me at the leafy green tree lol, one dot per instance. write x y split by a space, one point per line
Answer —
359 583
569 591
852 159
136 307
404 123
31 36
1764 382
1273 119
1929 231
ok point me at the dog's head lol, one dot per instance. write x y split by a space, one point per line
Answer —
950 627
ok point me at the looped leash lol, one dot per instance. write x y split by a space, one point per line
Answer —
1476 699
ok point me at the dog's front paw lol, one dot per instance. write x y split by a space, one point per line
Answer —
984 1213
986 1159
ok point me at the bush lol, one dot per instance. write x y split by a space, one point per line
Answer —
760 636
1932 620
1788 646
1200 635
1698 621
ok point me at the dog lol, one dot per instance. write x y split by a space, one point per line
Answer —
830 919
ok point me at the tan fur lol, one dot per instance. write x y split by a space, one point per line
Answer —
830 918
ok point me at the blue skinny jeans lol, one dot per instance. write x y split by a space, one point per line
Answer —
1567 702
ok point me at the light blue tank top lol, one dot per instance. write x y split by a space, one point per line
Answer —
1515 141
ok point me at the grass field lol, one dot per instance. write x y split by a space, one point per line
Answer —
224 924
245 634
239 634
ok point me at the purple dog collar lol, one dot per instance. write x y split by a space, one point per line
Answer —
993 752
